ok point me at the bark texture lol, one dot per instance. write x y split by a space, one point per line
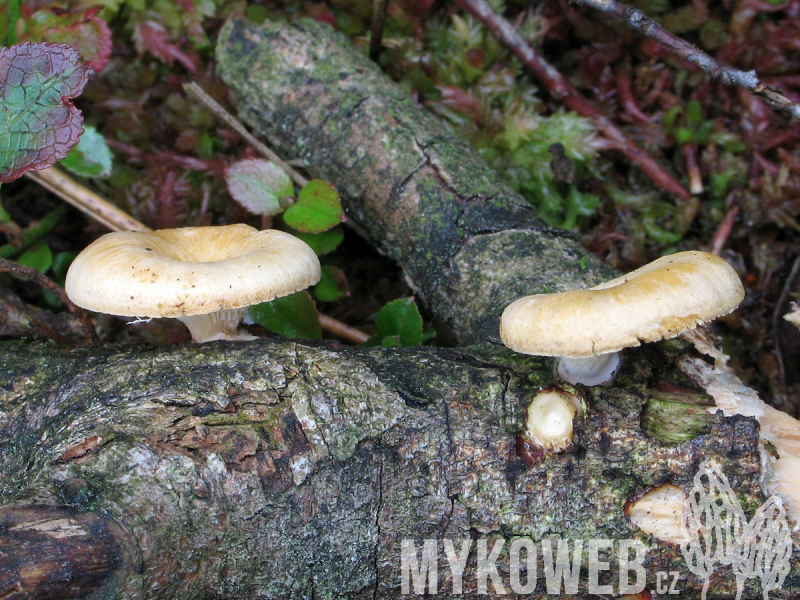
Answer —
277 469
282 469
467 243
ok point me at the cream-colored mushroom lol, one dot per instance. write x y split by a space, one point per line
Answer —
206 277
587 328
550 417
659 512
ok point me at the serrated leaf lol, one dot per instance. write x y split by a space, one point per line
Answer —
83 30
258 185
332 285
40 257
324 242
38 123
91 157
293 316
317 209
399 323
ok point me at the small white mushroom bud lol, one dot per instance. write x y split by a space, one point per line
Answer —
550 417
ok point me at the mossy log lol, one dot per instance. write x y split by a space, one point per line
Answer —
289 469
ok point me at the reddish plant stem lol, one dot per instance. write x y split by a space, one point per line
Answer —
561 89
692 168
748 80
723 231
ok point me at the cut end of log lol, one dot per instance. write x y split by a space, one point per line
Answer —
58 552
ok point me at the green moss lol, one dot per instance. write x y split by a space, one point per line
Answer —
675 422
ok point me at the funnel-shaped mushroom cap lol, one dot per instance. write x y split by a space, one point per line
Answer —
658 301
190 271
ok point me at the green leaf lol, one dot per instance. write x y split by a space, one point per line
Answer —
91 157
293 316
317 209
4 216
324 242
61 263
38 123
258 185
39 257
332 285
399 323
14 13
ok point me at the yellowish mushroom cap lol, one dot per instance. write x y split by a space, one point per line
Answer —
660 300
189 271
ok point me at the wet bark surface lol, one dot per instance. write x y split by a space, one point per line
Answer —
278 469
285 469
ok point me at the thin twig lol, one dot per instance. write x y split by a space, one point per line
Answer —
777 314
31 274
85 200
748 80
212 105
342 330
561 89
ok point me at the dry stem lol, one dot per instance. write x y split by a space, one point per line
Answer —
216 108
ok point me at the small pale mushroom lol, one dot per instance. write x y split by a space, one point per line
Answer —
659 512
206 277
550 417
588 328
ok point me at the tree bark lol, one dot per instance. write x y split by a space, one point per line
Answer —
467 243
288 469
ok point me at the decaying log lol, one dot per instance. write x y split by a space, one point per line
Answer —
467 243
287 469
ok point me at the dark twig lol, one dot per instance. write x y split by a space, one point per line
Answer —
777 315
31 274
748 80
561 89
378 23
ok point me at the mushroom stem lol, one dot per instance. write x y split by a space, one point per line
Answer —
590 370
219 325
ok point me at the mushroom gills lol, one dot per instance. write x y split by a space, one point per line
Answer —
219 325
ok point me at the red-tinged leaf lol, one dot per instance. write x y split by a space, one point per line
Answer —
153 36
38 123
82 30
258 185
